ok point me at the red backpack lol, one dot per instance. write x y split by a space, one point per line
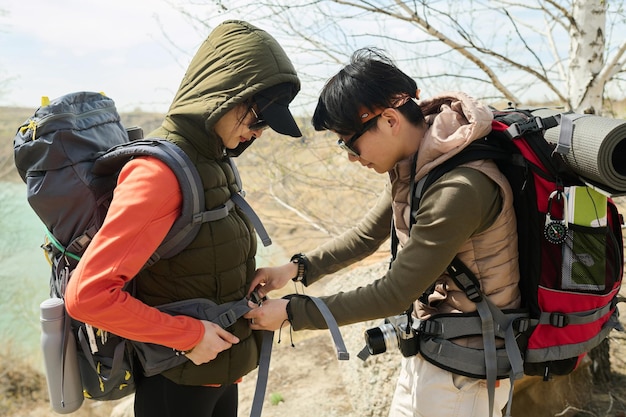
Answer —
570 255
577 244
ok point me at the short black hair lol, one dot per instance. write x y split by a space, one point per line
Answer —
371 81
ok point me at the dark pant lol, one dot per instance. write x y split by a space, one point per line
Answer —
157 396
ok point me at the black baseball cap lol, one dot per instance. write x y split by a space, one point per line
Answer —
273 106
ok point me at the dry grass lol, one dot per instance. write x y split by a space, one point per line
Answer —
21 386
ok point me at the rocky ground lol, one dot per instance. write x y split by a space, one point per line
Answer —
308 381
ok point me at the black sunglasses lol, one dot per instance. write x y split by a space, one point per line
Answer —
348 146
259 124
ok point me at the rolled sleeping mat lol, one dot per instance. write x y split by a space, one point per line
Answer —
597 150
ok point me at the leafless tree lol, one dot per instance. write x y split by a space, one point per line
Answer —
568 52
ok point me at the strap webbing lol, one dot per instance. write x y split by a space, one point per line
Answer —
567 132
488 332
238 198
199 218
256 222
263 374
226 314
216 214
331 323
57 245
489 315
266 354
233 166
66 337
551 353
118 355
581 317
533 124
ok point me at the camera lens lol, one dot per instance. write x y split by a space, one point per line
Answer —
380 339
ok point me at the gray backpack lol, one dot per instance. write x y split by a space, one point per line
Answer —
69 154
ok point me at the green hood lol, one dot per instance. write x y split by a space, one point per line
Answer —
235 62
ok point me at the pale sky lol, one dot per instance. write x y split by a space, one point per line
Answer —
136 51
119 47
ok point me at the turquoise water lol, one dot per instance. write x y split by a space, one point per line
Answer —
24 272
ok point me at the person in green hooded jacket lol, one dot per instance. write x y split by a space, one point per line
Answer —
239 83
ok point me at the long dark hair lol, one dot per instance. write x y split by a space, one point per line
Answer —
371 81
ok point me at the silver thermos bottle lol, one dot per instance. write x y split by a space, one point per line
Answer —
60 359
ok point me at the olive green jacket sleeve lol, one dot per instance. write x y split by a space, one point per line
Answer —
461 203
353 245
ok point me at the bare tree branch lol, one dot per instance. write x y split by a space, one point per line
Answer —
460 49
566 13
615 65
299 213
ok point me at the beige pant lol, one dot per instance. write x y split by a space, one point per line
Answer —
424 390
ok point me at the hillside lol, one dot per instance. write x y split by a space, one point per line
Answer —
10 119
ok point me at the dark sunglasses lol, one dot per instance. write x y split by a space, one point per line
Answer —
259 124
348 145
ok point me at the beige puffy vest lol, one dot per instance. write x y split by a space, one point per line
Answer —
491 255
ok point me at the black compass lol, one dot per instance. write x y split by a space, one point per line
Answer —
555 232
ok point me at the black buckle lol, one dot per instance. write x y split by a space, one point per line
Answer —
533 124
559 320
521 325
256 298
429 328
227 319
473 293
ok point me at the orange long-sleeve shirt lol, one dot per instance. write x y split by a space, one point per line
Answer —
145 204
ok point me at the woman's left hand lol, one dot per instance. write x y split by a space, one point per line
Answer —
270 315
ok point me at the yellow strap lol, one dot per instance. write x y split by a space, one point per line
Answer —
32 125
46 253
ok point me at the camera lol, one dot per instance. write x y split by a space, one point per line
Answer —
395 331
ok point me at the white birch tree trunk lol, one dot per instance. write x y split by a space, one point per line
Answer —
587 48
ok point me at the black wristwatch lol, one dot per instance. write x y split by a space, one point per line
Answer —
301 261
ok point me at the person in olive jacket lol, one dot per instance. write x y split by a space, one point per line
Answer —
375 110
239 82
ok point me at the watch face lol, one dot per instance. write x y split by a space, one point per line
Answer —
555 232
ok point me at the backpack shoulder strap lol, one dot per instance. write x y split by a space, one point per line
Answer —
480 149
239 200
187 225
